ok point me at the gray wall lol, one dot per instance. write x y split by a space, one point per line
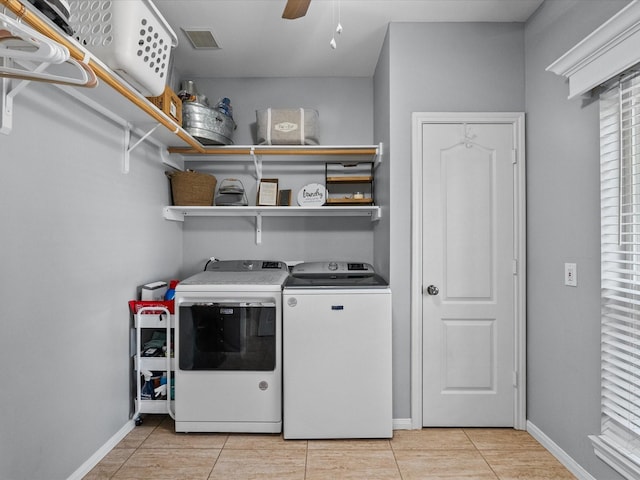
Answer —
436 67
78 236
382 133
345 107
344 104
563 226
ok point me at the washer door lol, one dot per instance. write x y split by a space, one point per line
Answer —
227 336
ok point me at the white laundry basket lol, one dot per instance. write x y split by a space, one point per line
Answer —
130 36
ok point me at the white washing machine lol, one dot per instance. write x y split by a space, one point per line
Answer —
337 352
228 347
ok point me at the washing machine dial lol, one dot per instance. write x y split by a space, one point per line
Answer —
333 266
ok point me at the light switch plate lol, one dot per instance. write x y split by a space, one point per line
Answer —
571 274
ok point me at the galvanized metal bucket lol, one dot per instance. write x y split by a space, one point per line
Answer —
207 125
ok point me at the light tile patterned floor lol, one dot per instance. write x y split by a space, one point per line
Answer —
154 451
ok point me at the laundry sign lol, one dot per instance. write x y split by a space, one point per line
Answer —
312 195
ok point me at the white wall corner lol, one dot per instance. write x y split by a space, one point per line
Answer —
102 451
402 424
610 50
563 457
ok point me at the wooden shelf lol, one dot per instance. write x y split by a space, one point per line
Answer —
370 150
130 106
350 201
178 213
349 184
350 154
361 179
113 93
347 155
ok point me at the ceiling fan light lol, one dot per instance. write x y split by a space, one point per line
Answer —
201 39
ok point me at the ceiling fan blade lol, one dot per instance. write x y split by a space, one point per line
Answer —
295 9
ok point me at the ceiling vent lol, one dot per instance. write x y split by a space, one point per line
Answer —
201 39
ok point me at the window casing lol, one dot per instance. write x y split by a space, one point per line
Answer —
619 441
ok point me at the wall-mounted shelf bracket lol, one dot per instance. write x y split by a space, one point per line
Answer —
7 107
257 163
170 159
258 228
9 91
127 127
128 147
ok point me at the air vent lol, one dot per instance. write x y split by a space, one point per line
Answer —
201 39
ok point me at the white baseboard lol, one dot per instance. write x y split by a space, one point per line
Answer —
562 456
102 451
402 424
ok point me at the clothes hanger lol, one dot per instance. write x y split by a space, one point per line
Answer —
87 79
18 47
468 138
24 45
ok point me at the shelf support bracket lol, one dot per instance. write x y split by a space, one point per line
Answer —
7 107
258 228
8 94
257 163
126 151
128 148
379 153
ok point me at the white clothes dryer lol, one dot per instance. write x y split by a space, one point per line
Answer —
228 346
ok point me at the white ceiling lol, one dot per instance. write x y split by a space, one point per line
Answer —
256 42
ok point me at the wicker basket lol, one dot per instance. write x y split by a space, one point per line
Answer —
192 188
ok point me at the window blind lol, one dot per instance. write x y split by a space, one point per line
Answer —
619 441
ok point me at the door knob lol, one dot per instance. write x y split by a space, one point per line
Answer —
432 290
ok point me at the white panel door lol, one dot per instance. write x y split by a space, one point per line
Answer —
468 275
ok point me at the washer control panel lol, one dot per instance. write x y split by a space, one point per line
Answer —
332 269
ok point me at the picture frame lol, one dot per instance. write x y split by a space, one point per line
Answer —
267 192
284 198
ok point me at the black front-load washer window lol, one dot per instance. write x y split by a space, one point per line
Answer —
229 336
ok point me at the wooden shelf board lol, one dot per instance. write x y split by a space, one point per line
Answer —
350 201
368 151
361 179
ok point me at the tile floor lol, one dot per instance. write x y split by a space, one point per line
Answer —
153 451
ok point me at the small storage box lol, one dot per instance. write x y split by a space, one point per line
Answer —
153 291
130 36
192 188
169 103
287 126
